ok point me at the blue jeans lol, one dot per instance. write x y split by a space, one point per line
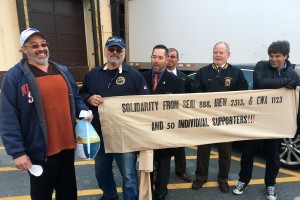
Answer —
127 167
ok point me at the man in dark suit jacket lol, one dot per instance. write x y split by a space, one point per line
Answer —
161 81
179 157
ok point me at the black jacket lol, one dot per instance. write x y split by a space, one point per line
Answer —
267 77
212 79
187 81
169 83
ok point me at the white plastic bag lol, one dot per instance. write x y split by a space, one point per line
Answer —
87 140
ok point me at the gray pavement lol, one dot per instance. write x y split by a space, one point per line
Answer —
14 184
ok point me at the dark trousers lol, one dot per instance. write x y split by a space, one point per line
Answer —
162 168
59 174
180 160
203 155
162 176
271 150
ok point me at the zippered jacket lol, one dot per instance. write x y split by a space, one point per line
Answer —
22 121
127 81
267 77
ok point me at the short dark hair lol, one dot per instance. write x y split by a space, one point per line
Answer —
282 47
161 46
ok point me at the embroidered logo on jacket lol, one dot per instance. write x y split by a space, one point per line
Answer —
26 91
227 81
120 80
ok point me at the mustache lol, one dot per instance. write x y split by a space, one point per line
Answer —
115 55
40 51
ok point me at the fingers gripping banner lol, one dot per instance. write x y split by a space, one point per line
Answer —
143 123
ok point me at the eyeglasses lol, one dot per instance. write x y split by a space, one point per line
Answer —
113 49
35 46
173 57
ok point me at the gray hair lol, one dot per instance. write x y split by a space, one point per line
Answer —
173 49
226 45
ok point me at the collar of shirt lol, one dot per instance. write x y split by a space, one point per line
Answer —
174 71
222 66
282 67
120 68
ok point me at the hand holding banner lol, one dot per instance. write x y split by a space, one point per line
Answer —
135 123
141 123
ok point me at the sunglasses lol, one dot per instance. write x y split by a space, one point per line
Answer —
172 57
113 49
35 46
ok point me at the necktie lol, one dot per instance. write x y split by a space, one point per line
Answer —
155 80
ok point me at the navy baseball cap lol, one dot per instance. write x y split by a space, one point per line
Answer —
115 41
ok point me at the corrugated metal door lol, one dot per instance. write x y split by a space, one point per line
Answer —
63 23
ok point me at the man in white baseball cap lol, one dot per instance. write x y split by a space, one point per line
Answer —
26 34
39 103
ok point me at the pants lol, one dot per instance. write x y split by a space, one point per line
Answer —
180 161
271 150
59 174
203 155
162 168
104 174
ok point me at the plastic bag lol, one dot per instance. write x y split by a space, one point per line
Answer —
87 140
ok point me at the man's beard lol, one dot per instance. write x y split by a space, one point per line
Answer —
37 60
114 61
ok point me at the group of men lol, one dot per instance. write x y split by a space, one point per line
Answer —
40 100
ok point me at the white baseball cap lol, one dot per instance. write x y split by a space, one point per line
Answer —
26 34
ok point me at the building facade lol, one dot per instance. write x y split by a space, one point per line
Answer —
75 30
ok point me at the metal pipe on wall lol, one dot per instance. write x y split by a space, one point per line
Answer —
99 31
94 25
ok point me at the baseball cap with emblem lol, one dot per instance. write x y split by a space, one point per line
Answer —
26 34
115 41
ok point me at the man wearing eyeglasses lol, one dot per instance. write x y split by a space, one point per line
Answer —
115 78
39 103
179 157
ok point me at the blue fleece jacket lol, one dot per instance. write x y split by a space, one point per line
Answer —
22 121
